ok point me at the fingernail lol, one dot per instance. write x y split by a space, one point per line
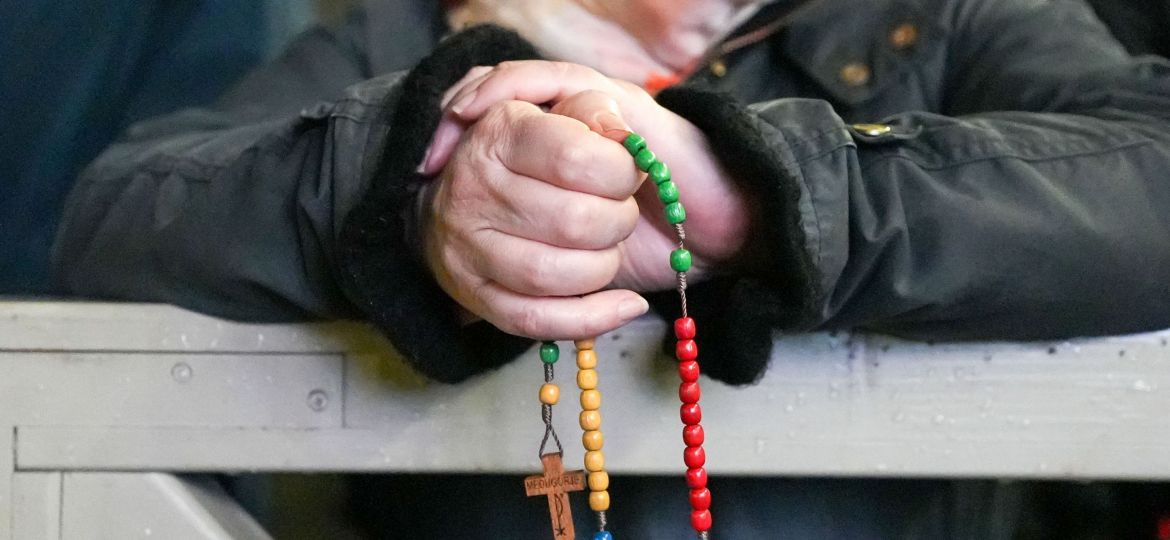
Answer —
422 166
632 307
447 97
611 122
463 102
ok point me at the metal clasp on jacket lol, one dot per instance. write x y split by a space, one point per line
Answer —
882 133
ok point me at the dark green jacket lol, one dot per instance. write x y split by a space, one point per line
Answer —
1022 192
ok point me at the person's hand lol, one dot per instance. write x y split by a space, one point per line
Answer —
526 220
718 214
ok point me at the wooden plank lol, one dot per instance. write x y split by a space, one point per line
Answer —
166 389
752 453
100 506
37 505
830 404
92 326
7 470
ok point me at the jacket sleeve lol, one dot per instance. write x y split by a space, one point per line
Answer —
1036 206
233 210
291 200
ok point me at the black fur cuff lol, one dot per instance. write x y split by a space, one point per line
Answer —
739 314
379 272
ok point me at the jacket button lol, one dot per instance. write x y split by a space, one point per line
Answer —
904 36
872 130
855 74
718 68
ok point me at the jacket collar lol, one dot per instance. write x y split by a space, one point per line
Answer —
820 37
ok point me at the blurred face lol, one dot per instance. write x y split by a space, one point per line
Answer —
627 39
677 32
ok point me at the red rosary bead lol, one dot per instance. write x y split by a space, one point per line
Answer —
693 435
701 520
689 392
697 478
686 350
694 456
701 499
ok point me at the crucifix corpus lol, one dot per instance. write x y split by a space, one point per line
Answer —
556 483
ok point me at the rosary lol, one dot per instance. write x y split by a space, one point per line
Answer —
556 483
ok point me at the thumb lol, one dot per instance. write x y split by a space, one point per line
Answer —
598 110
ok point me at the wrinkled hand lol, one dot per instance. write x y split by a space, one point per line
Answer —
526 222
533 209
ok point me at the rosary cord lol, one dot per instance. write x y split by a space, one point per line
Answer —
546 415
682 276
546 411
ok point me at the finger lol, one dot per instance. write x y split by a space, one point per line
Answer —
545 213
565 318
533 81
538 269
466 93
560 151
473 75
450 128
598 110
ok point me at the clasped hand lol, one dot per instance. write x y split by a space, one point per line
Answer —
539 222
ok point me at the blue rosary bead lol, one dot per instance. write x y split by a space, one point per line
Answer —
602 535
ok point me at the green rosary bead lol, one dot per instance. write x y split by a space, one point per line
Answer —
675 213
659 172
634 143
680 260
645 159
668 192
549 352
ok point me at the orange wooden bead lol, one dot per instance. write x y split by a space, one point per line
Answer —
594 461
598 481
590 420
587 379
586 359
549 394
583 344
590 400
592 440
599 501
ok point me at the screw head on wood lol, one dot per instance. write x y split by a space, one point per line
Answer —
318 400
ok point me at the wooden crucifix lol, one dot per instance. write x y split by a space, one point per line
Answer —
556 483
